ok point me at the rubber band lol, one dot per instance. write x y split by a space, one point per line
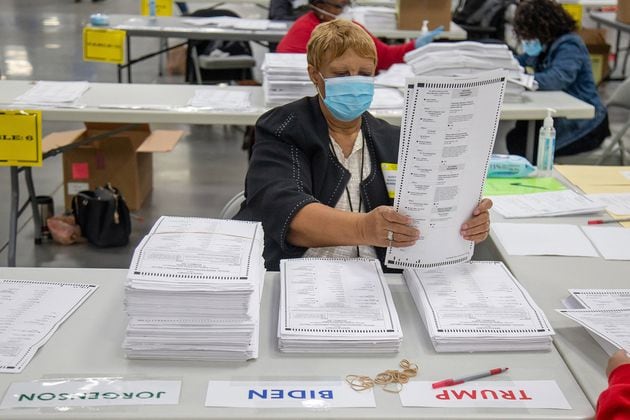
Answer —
390 380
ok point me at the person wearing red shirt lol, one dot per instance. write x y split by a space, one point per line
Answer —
614 402
326 10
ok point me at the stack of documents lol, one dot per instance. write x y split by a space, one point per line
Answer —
58 94
285 78
605 313
336 306
477 306
235 23
545 204
394 76
461 58
383 18
213 98
193 290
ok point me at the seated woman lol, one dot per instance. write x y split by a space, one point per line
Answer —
559 60
314 179
614 402
326 10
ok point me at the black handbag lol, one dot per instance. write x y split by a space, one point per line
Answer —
103 216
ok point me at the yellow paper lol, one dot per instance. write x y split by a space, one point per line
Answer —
597 179
162 7
575 11
103 45
20 138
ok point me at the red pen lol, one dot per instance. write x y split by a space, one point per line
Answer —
451 382
600 221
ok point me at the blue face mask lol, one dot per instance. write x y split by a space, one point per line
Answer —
348 97
532 47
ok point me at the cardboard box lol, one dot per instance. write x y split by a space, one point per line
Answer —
623 11
124 159
595 40
411 13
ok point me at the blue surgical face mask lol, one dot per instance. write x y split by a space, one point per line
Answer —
532 47
348 97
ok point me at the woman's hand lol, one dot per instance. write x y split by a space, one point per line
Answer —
619 358
375 228
477 227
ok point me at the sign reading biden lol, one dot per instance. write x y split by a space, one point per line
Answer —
288 394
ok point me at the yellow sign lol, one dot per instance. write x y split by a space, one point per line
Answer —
104 45
162 7
575 11
20 138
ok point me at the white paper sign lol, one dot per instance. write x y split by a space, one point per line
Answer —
499 394
286 394
84 392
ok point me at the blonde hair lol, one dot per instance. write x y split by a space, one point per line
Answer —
332 39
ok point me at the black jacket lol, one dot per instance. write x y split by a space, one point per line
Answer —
293 165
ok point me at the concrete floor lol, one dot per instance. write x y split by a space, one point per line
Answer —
41 40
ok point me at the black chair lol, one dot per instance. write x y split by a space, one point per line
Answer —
218 61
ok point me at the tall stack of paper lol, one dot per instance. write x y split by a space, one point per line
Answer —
336 306
468 58
477 306
605 313
193 290
383 18
285 78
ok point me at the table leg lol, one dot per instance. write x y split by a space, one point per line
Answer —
13 218
529 146
163 46
37 222
128 59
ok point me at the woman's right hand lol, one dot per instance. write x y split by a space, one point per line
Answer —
374 228
621 357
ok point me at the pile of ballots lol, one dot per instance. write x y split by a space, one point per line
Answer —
193 291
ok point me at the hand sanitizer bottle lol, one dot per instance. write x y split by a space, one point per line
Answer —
546 146
425 27
152 13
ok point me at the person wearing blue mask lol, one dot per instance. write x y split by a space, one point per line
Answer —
315 179
299 33
559 60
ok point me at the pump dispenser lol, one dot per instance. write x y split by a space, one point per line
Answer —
425 28
546 146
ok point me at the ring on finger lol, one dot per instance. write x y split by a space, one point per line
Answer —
390 235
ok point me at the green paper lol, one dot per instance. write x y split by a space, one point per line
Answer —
508 186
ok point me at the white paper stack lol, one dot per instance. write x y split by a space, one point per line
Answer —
383 18
336 306
58 94
545 204
193 290
477 306
469 58
605 313
285 78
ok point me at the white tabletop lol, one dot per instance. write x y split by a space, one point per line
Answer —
175 26
533 107
548 278
89 343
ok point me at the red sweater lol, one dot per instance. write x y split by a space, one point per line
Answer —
614 402
300 32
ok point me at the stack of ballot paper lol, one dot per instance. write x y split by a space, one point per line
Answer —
57 94
235 23
467 58
545 204
336 306
285 78
605 313
193 290
477 306
383 18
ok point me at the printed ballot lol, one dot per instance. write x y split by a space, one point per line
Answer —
446 139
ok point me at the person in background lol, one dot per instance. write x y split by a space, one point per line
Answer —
287 9
559 60
315 179
326 10
614 402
